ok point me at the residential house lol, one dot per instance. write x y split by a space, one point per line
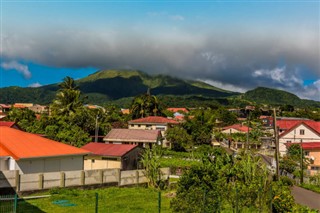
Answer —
267 121
140 137
180 110
302 131
4 108
153 123
235 128
110 156
30 153
39 108
22 105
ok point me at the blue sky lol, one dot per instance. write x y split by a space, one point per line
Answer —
236 45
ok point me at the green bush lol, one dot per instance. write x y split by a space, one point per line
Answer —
286 181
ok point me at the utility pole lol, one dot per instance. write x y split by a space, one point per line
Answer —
301 163
96 130
276 140
248 119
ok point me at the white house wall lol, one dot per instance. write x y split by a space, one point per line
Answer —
294 137
39 165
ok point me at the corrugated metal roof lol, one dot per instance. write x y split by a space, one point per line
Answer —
103 149
21 144
154 120
132 135
7 123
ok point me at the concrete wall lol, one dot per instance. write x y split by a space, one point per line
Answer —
96 162
40 165
39 181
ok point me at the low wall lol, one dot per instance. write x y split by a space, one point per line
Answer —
39 181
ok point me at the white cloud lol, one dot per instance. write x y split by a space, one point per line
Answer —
278 75
177 18
36 84
14 65
224 86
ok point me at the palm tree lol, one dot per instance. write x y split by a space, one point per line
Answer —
145 105
67 100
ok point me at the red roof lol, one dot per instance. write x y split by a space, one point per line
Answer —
287 124
7 123
307 145
19 144
5 106
103 149
154 120
313 125
239 127
178 109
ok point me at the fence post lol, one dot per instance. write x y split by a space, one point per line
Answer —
40 183
101 176
97 202
159 201
137 177
15 203
82 178
17 180
62 179
119 177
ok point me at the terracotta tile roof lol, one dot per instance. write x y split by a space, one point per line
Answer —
307 145
133 135
154 120
178 109
103 149
239 127
21 144
287 124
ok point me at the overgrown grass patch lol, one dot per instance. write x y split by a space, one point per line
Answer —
113 200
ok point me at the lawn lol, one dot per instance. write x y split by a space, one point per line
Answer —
111 200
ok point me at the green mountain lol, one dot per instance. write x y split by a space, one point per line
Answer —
110 85
263 95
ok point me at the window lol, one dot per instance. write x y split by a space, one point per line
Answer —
132 125
317 168
306 153
92 160
139 125
301 131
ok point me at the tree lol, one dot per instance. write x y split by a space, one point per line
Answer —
179 138
145 105
67 99
222 181
151 161
23 117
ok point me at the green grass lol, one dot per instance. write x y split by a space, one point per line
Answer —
311 187
111 200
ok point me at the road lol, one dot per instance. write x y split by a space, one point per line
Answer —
306 197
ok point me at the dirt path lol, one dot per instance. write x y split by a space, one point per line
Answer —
306 197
